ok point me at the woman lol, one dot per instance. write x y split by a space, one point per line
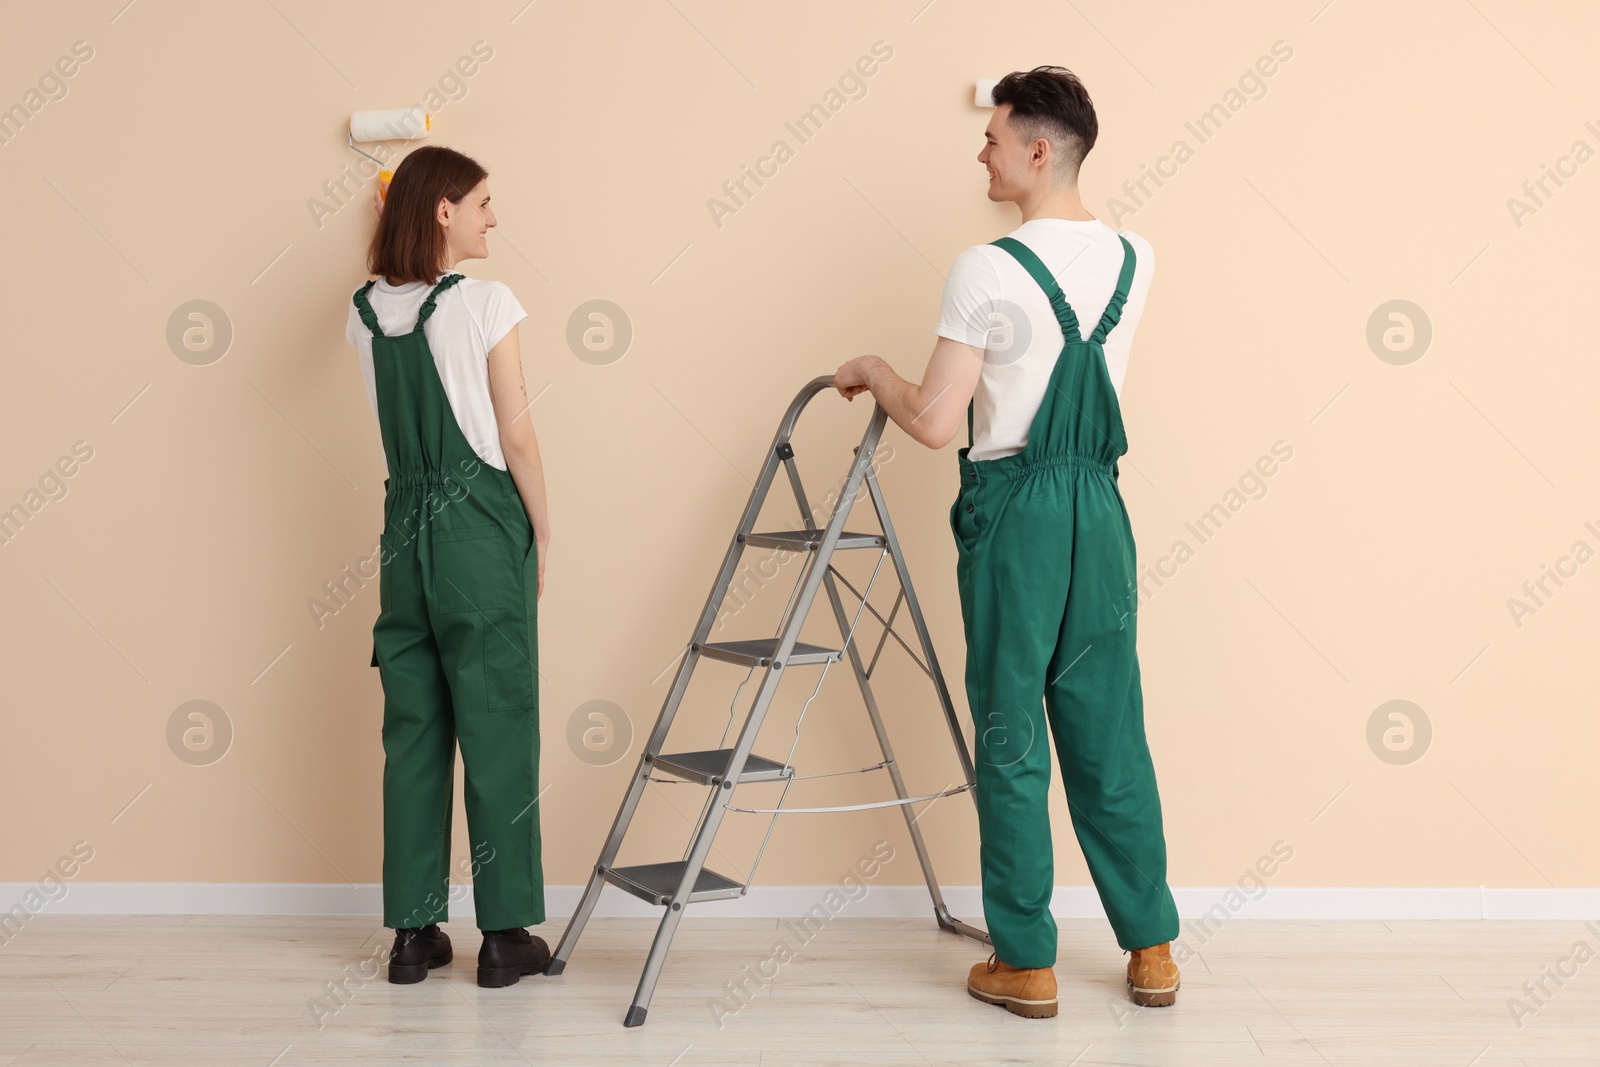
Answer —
465 536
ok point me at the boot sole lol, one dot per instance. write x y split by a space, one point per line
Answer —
1028 1009
1152 998
411 973
500 977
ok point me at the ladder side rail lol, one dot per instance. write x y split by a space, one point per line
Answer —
719 590
680 683
813 580
941 909
869 698
867 695
705 833
752 510
921 624
769 683
691 657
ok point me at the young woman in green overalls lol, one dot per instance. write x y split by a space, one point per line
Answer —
462 566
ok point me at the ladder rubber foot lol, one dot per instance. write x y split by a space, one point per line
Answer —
556 967
635 1016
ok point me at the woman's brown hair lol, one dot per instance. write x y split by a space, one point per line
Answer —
408 242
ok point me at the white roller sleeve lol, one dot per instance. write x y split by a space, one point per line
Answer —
397 124
983 96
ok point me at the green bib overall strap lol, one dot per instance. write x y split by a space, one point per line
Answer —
446 282
364 306
1065 316
1113 312
1047 281
1058 301
364 309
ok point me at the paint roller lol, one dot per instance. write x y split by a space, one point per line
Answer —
395 124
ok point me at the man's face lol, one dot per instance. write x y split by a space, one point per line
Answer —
1007 157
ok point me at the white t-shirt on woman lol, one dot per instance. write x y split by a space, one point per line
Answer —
1085 257
468 319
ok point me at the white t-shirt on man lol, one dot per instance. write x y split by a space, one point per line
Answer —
992 302
468 319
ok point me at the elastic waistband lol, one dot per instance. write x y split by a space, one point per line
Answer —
422 477
1004 467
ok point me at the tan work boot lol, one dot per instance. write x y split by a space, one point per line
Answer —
1026 991
1152 976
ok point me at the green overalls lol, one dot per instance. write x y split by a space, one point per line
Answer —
456 642
1045 566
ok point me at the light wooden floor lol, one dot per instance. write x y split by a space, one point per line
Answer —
224 991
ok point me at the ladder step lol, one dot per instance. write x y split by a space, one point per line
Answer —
808 540
656 882
758 652
710 767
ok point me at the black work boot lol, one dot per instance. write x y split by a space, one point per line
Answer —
507 955
416 951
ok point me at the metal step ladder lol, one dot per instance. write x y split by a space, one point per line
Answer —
677 883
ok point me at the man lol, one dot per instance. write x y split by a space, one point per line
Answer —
1045 552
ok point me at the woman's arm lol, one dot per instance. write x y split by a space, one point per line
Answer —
509 395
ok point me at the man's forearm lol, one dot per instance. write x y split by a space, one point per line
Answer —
903 401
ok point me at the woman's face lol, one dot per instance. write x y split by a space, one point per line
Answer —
466 225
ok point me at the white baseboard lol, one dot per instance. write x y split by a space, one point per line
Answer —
965 901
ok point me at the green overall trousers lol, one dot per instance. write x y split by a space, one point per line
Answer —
456 644
1045 567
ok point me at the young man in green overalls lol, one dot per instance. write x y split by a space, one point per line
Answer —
1045 551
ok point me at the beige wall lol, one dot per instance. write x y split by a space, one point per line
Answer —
1373 165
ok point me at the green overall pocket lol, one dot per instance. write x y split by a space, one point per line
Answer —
508 663
478 573
471 570
510 644
964 518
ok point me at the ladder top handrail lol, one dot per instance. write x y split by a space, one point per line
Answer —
801 399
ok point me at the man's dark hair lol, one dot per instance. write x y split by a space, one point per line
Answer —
1051 102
